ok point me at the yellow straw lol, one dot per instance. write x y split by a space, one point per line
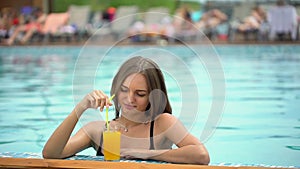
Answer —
107 124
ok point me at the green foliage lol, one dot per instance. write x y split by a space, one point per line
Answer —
194 6
62 5
144 5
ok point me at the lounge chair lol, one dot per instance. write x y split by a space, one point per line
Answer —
241 11
155 15
123 19
96 22
153 24
79 18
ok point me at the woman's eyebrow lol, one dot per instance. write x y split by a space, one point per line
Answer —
141 90
138 90
124 86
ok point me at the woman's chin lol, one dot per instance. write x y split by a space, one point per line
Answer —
135 115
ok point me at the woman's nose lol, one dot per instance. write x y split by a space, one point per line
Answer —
130 97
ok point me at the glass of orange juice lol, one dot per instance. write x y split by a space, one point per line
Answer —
111 144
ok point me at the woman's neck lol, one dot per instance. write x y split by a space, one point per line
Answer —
127 123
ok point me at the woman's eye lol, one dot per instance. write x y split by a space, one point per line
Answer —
141 94
123 89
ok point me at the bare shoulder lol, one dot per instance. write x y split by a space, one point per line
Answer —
166 117
165 120
94 128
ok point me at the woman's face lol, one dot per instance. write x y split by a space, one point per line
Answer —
134 94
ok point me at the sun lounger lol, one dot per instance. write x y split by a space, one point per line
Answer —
79 18
123 19
155 15
154 24
240 12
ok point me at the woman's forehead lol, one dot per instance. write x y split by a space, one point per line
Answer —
137 81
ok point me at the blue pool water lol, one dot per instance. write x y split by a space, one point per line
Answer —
259 125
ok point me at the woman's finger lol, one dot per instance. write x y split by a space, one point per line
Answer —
95 100
90 100
102 103
103 99
98 96
107 102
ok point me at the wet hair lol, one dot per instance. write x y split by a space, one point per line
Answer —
158 97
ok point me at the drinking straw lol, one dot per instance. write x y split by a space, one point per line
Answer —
107 124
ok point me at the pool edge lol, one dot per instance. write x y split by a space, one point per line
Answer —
54 163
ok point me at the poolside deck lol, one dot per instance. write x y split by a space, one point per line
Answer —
110 41
83 164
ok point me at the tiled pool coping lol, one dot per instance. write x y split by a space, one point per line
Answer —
31 160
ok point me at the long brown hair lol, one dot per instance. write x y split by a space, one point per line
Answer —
158 98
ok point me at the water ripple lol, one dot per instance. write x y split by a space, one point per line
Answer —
226 128
293 147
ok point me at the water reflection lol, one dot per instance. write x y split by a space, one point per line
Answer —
26 93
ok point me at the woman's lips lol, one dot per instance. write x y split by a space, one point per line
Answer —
129 107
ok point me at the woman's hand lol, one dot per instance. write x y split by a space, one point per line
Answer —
134 154
61 144
140 153
95 99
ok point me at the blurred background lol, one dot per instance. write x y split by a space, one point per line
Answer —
219 20
96 5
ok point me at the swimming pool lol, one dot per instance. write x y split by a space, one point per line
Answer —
260 123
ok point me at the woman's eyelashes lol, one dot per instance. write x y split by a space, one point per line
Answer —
141 94
137 93
124 89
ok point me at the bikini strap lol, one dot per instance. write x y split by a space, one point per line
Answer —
151 135
99 152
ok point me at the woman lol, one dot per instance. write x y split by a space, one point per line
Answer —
253 22
35 25
144 113
211 19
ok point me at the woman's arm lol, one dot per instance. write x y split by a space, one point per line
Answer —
60 145
190 150
189 154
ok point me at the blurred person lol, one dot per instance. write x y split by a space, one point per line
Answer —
182 19
4 24
145 29
35 24
135 30
9 19
253 22
183 24
108 14
211 19
283 20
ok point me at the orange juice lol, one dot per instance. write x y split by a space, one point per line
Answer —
111 145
